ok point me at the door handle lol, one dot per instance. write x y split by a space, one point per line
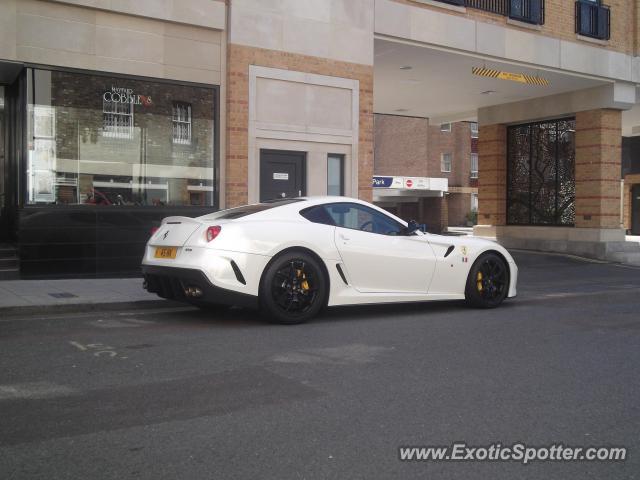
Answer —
344 237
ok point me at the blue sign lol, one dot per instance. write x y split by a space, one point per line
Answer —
382 182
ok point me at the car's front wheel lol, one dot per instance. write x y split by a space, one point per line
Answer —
488 281
293 288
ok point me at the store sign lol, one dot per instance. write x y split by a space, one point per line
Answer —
388 182
126 95
411 183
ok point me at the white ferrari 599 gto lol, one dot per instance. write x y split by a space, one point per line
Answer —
293 257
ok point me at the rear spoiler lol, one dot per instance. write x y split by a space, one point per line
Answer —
179 220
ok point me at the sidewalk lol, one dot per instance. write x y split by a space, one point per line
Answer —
38 296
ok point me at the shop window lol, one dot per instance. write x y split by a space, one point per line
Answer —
182 123
335 174
474 165
445 162
541 173
110 141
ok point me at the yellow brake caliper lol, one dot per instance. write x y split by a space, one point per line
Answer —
479 281
304 284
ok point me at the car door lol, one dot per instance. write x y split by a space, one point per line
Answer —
377 255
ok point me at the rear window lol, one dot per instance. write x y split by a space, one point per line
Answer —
245 210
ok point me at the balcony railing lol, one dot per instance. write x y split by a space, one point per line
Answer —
530 11
593 20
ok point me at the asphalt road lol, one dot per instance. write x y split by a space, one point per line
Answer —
185 394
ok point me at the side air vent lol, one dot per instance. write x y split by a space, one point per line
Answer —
238 273
449 250
344 279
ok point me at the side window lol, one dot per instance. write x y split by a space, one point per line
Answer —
360 217
317 214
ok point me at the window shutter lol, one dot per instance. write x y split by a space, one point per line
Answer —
535 14
603 23
585 18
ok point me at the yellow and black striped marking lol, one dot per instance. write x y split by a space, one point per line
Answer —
513 77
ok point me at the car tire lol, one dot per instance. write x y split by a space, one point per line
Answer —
488 281
294 288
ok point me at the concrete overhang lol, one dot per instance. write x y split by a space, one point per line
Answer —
617 96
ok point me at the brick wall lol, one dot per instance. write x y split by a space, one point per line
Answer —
492 169
560 21
458 143
598 166
401 145
238 60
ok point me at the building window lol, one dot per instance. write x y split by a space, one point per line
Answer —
474 202
474 129
474 165
335 174
445 127
530 11
117 115
445 162
182 123
593 19
541 187
108 141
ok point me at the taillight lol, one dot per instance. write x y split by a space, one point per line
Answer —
213 232
154 230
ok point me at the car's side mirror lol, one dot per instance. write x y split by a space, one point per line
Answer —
412 227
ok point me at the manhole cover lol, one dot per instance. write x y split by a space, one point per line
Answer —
62 295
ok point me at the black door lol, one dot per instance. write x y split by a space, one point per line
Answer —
282 174
635 210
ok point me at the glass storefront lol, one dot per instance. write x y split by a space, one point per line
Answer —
110 141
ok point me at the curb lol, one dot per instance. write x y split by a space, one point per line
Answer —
24 310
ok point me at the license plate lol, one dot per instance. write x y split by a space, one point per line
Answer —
166 252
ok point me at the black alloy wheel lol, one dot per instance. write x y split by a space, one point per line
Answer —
293 289
488 281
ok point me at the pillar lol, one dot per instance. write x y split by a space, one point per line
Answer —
598 167
492 175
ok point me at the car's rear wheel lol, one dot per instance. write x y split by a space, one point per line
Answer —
488 281
293 288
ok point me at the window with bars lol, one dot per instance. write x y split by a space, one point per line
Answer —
182 123
117 119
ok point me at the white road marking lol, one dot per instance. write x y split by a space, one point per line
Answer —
99 349
79 346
